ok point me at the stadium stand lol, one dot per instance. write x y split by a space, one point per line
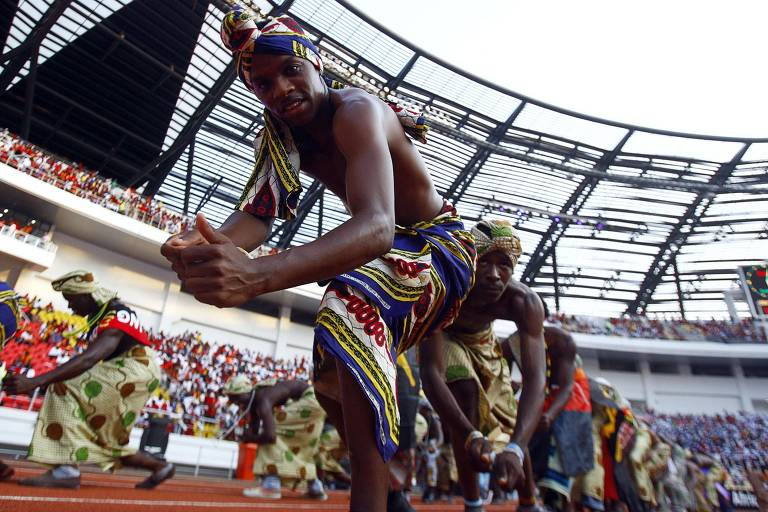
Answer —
676 329
78 180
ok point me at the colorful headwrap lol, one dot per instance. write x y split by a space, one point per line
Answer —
9 313
241 34
274 188
82 282
497 235
238 385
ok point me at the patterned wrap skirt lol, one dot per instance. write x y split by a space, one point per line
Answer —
372 314
88 419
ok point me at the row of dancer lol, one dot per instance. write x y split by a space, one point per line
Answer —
400 272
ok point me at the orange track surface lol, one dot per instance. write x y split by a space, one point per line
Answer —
105 492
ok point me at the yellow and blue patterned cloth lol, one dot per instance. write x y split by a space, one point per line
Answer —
370 315
9 313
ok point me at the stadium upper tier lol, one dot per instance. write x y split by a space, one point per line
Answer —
614 218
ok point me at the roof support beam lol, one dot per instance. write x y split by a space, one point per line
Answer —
556 279
679 289
208 194
395 82
158 169
188 180
554 232
30 93
669 250
462 181
13 61
287 230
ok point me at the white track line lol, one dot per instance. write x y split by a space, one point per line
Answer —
161 503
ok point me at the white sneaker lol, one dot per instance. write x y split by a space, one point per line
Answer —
261 492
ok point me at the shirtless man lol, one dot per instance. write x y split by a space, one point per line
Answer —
398 267
480 410
558 454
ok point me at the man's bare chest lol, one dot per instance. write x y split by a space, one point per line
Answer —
328 167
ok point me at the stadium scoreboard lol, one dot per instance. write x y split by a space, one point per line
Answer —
753 278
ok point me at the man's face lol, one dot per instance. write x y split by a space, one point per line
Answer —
494 270
290 87
80 303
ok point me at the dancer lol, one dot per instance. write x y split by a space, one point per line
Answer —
562 447
9 321
93 400
330 458
609 483
399 267
286 421
480 407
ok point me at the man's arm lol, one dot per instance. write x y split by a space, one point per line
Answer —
529 317
243 229
432 370
530 326
562 351
104 345
359 134
265 401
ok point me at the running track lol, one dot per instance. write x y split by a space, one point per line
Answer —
105 492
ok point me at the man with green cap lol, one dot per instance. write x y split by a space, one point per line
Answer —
478 405
93 400
286 421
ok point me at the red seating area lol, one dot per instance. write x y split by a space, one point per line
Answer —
34 356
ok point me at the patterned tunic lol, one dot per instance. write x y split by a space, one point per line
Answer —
88 419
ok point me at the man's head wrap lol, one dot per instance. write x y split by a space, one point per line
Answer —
497 235
238 384
274 188
245 34
9 313
82 282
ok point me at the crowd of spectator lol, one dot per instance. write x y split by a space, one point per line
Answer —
196 370
78 180
24 228
746 330
738 441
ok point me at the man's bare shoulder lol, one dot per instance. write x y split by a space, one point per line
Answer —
516 299
559 342
350 103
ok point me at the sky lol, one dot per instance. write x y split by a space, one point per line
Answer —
682 65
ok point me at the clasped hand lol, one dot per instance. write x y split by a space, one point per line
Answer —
507 467
212 268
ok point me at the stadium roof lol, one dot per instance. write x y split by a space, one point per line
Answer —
623 218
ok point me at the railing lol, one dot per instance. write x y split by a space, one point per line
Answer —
128 206
29 239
